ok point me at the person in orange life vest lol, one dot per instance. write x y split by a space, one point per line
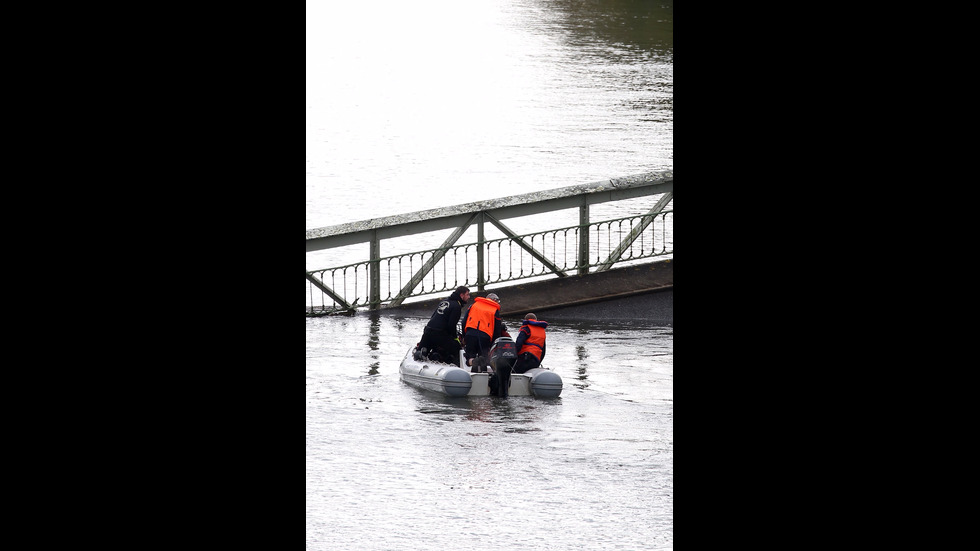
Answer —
483 324
530 344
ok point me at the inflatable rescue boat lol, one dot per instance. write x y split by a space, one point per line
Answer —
451 380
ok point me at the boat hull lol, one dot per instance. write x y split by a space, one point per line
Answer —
435 376
450 380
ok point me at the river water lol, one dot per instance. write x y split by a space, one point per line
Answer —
426 104
389 466
419 105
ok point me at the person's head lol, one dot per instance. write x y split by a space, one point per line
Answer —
463 292
530 316
494 297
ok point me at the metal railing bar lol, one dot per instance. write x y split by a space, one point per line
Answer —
616 254
438 254
320 285
529 248
634 227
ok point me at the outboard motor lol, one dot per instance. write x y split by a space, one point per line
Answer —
503 356
503 353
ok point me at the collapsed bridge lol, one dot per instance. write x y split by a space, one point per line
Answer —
581 261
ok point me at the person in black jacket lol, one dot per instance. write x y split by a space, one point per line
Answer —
440 338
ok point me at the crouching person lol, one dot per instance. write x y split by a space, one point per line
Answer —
530 344
482 326
440 339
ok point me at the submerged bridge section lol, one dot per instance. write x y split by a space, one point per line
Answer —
569 257
638 292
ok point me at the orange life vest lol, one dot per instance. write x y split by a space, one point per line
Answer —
535 341
481 314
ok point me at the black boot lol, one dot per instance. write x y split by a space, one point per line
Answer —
479 365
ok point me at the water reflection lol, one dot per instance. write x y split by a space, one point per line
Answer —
374 341
515 413
582 353
479 410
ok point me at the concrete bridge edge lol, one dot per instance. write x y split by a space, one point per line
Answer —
639 292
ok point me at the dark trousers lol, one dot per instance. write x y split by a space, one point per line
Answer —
525 362
477 344
445 345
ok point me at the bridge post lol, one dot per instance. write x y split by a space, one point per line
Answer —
375 272
481 279
583 237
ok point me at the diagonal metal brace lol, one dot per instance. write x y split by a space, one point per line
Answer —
429 264
520 241
617 253
320 285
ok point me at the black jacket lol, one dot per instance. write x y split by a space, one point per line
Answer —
446 316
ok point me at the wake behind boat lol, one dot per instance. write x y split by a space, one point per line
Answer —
451 380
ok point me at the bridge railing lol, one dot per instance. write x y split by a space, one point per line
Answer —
560 252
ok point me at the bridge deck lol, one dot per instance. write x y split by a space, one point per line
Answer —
572 291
